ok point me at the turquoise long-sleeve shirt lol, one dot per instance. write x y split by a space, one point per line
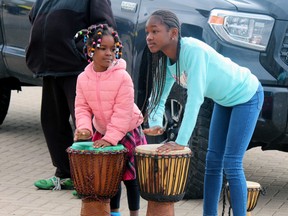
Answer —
205 73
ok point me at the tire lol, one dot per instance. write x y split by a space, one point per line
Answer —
5 95
198 142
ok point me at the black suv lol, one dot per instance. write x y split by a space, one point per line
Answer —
253 33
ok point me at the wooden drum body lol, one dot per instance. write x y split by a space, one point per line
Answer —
162 177
253 193
254 190
96 174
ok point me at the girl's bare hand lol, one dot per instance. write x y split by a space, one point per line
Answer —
170 146
82 134
101 143
154 131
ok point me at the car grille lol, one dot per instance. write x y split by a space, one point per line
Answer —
284 49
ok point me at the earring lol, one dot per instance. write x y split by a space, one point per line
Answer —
91 55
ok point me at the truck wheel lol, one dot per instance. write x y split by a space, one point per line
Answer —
5 95
198 142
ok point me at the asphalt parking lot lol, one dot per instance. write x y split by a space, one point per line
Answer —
24 158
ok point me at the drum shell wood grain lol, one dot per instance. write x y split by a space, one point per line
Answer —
162 177
253 192
96 175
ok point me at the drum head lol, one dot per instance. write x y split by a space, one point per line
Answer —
89 146
251 184
151 149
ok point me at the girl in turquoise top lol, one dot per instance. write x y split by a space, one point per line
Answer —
237 95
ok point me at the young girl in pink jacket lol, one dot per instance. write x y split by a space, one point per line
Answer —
105 95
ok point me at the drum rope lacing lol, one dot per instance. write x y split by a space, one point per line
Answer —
88 190
87 152
163 156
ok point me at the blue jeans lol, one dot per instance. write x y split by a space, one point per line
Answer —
231 130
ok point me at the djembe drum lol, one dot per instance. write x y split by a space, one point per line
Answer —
161 177
254 190
96 173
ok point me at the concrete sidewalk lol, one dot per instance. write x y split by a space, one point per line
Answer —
24 158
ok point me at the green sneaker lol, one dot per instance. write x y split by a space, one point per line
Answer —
67 183
75 194
54 183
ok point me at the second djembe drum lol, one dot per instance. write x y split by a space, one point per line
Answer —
253 192
96 173
162 177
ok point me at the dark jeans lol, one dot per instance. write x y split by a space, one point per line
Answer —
133 196
58 97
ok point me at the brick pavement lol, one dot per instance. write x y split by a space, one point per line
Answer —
24 158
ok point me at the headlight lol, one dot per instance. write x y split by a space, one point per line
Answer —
242 29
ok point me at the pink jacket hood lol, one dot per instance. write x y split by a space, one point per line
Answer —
108 98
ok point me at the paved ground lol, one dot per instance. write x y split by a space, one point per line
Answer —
24 158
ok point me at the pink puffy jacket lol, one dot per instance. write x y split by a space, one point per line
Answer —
108 98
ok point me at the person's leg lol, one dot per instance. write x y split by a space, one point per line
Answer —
55 114
69 87
54 111
133 196
242 124
115 201
130 141
214 159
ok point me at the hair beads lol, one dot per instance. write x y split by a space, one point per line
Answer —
92 37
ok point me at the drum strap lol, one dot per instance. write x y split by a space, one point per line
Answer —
224 204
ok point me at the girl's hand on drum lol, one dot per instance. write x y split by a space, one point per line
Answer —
101 143
82 134
154 131
170 146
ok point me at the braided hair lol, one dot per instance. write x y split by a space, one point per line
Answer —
92 37
157 62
